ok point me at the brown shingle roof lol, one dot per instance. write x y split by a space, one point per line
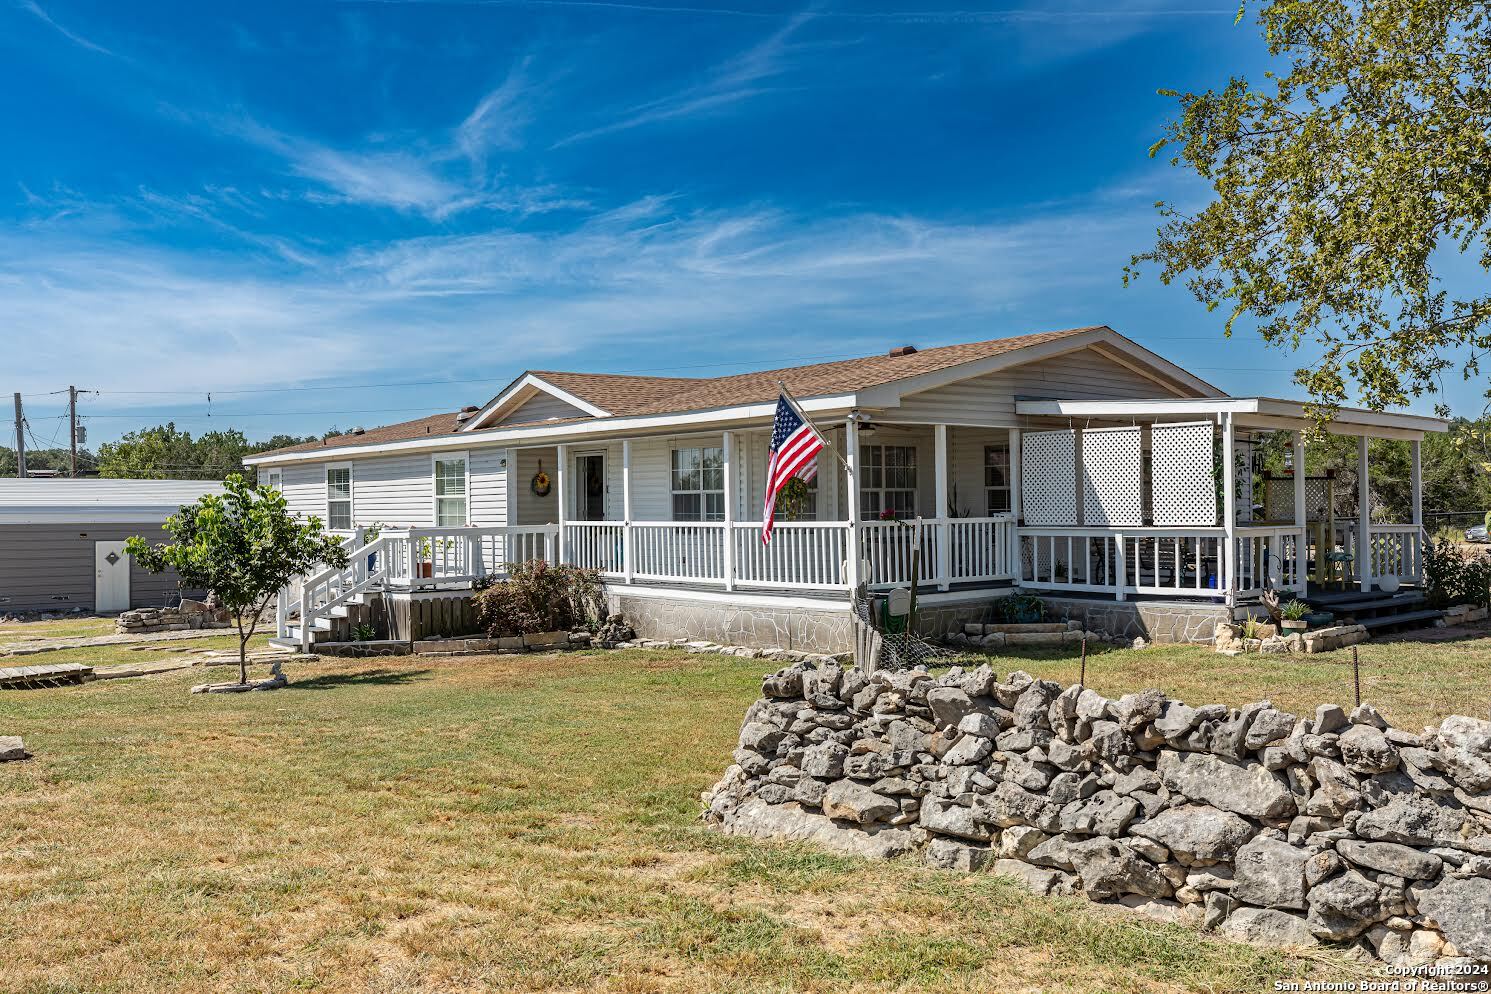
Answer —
635 395
630 395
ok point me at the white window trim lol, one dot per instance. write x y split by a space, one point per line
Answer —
351 494
465 457
1008 488
882 490
270 482
702 492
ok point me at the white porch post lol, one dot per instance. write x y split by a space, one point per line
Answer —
1013 551
561 456
626 509
942 527
1301 517
1416 506
1363 516
727 453
1229 509
851 485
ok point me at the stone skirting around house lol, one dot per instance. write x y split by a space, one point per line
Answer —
764 622
1271 827
1152 620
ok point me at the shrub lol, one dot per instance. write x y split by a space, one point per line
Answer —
537 597
1455 578
1017 609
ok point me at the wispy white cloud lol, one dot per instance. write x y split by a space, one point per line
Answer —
437 174
719 281
35 9
498 118
747 74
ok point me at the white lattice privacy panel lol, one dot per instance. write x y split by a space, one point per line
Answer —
1182 474
1048 477
1278 504
1113 476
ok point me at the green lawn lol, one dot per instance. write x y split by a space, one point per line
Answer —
508 824
85 625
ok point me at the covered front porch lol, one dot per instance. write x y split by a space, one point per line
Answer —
1107 500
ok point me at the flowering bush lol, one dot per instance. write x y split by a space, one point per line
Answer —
538 597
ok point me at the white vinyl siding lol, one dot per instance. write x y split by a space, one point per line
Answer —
487 476
398 491
541 407
990 399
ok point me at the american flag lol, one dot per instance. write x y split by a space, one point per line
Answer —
794 452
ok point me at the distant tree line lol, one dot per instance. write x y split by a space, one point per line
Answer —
1456 476
163 452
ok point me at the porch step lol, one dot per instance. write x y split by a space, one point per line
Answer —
1373 605
285 643
1408 619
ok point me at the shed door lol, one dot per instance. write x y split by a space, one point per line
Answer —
111 578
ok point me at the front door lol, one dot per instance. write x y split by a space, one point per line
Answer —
592 475
110 578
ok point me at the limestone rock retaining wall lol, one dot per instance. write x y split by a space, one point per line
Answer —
190 614
1271 827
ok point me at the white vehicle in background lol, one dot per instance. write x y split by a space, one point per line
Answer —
1477 534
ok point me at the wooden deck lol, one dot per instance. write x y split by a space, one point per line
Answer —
57 675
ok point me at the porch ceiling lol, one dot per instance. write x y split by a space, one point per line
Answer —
1247 412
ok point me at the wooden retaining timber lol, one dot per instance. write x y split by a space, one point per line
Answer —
417 618
57 675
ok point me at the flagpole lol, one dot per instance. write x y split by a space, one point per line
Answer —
787 394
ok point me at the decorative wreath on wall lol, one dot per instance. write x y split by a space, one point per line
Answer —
541 484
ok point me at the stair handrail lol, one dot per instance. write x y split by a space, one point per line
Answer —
351 579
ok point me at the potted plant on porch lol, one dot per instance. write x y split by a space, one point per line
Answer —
1293 614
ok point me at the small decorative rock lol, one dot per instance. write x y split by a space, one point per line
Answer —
11 747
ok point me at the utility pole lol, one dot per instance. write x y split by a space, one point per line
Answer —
20 440
72 423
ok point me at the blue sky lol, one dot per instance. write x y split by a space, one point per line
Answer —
363 212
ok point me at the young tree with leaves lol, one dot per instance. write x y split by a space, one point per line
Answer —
243 546
1344 186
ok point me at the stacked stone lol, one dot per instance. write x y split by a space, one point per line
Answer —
1047 633
1230 640
1464 614
190 615
1271 827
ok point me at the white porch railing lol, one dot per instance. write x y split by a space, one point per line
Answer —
1269 555
1397 550
691 552
1121 561
806 554
597 545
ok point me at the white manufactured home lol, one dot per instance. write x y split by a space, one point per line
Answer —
1075 463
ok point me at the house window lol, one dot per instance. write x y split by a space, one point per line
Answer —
698 481
274 480
996 479
890 481
450 491
339 498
